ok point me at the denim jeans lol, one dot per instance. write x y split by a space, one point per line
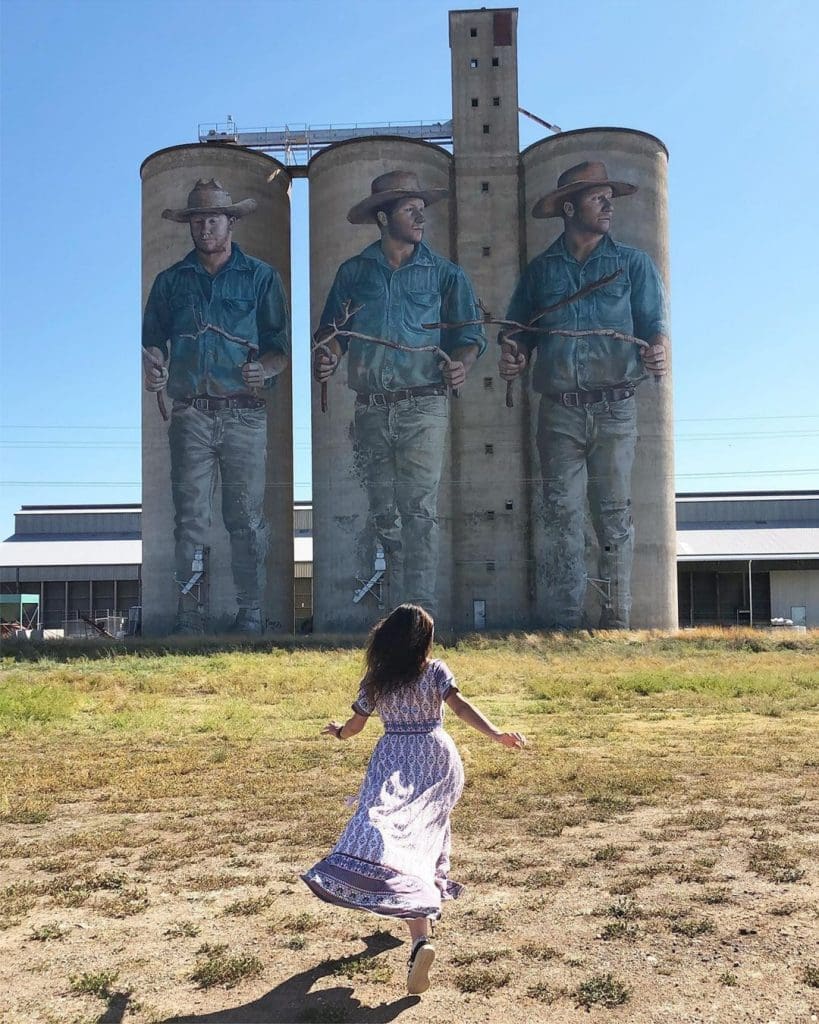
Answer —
399 453
586 455
230 445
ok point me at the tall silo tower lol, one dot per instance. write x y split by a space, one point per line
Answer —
352 578
640 220
490 442
168 177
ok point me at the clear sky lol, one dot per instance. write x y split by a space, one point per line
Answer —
92 87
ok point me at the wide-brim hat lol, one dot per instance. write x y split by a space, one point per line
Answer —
210 197
576 179
391 186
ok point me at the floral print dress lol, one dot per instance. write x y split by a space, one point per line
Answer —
393 856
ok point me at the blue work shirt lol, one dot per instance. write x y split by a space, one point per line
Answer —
634 303
394 304
189 309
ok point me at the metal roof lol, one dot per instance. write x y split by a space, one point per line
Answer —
19 553
741 543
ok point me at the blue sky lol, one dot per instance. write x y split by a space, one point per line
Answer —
89 89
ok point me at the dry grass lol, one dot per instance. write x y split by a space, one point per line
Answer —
165 804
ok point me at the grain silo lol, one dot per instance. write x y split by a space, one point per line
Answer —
356 575
640 220
259 557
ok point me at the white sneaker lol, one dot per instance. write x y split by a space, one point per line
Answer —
419 964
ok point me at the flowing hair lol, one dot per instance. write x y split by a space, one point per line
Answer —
398 649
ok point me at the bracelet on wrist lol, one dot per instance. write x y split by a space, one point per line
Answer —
338 732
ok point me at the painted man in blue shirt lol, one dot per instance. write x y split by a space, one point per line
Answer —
215 330
397 284
587 421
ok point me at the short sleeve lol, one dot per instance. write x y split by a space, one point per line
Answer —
445 680
363 705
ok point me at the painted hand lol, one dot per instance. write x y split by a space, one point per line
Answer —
511 364
324 365
253 374
454 374
154 370
655 359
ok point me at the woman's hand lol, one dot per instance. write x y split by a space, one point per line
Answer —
515 740
332 729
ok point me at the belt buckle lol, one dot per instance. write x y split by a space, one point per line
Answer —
379 401
571 399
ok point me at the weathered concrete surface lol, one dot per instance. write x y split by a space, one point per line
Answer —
167 178
490 442
640 220
340 177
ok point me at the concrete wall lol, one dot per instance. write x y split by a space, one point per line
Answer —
340 177
167 178
792 589
640 220
490 442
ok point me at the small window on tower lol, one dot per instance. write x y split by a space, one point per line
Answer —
490 566
473 32
486 250
484 186
490 514
489 449
487 382
496 101
474 62
486 129
474 101
495 63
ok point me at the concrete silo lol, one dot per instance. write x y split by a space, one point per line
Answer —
353 584
640 220
168 176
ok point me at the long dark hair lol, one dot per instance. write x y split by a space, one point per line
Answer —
397 650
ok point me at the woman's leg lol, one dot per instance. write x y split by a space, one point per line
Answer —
421 956
418 929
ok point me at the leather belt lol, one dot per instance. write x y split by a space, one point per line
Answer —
575 399
391 397
205 403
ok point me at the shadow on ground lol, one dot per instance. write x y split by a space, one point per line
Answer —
293 1001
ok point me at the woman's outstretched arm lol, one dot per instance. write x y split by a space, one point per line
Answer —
343 731
468 713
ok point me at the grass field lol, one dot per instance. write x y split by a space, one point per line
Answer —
653 855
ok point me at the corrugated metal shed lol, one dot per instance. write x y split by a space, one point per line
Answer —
742 543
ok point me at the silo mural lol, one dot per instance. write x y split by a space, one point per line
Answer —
395 337
217 506
592 314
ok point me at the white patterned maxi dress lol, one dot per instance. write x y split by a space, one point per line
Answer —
393 856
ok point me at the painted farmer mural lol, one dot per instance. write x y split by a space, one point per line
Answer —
589 296
215 333
401 373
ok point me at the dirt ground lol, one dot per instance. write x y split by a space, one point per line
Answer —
669 914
